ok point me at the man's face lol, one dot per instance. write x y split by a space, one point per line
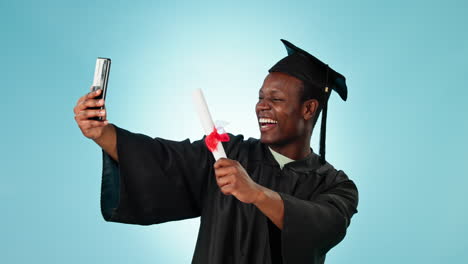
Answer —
279 110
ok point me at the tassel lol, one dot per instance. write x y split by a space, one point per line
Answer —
323 131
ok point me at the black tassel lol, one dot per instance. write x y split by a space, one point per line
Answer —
323 131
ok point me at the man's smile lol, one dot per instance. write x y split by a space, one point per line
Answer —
267 123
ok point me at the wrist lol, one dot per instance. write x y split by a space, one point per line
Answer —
104 134
108 141
261 196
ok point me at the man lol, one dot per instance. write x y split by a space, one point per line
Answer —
272 200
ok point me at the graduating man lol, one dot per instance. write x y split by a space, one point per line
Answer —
273 200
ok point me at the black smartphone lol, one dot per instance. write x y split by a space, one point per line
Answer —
101 79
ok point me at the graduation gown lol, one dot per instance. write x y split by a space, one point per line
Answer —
158 180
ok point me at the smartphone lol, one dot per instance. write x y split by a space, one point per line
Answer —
101 79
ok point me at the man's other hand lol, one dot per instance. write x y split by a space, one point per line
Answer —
232 179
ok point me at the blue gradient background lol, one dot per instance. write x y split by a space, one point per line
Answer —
401 136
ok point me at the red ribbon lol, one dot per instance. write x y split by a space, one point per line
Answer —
212 139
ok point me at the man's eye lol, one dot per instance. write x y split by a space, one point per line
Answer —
272 99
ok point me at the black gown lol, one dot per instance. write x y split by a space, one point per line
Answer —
158 180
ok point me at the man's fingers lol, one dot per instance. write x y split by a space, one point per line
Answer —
93 103
222 181
80 104
85 114
227 189
89 95
223 171
93 94
88 103
82 98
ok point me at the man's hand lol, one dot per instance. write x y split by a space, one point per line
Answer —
101 132
90 128
232 179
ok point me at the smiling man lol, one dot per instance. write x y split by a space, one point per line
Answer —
272 200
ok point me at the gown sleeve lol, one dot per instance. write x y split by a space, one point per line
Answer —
312 227
155 180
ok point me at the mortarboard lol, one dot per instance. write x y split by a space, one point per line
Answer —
318 78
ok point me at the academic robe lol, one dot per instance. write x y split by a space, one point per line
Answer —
158 180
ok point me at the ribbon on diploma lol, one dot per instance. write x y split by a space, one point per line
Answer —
214 138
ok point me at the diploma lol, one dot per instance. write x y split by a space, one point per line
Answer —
207 124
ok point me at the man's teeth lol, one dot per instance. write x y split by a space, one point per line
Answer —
267 120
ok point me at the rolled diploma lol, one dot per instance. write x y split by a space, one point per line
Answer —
206 120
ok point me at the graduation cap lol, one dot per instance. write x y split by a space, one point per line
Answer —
318 78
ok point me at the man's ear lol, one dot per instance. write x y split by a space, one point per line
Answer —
309 108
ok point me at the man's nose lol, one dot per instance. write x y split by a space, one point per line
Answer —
263 105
